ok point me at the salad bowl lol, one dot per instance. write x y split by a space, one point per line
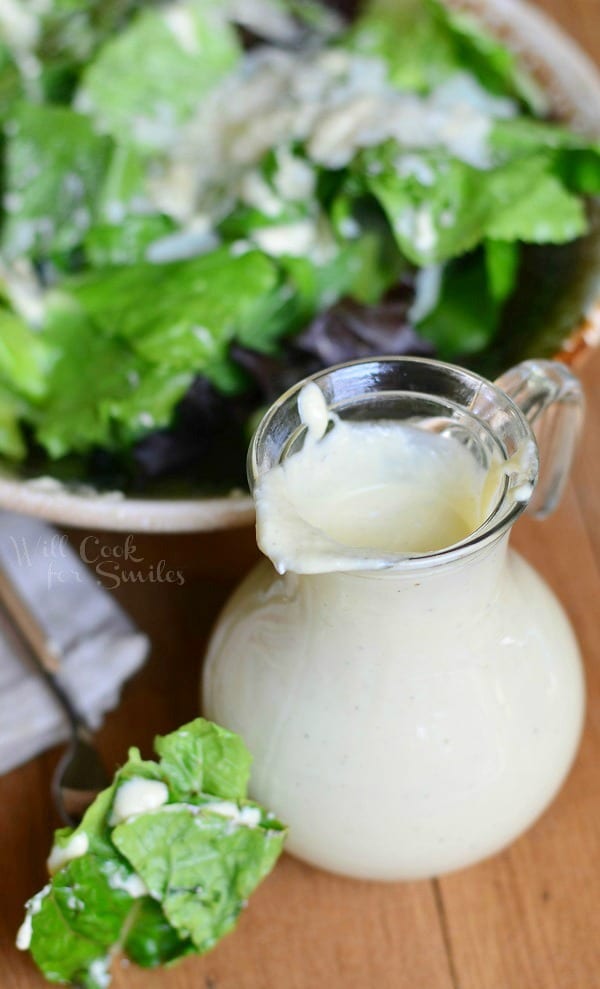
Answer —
571 84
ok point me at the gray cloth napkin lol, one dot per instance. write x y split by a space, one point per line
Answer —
98 644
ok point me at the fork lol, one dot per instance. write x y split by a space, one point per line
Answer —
79 775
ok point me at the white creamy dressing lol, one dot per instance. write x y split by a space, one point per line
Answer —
181 22
32 908
119 878
22 286
335 103
136 796
62 855
99 971
25 933
428 284
248 817
363 493
332 101
403 721
20 32
19 24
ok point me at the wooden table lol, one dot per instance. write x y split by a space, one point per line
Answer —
526 919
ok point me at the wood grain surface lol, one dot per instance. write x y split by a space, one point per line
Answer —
526 919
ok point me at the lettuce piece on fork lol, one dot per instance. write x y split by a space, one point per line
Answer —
161 865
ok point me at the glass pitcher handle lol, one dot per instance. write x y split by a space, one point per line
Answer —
551 398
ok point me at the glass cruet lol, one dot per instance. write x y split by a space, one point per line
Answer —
412 719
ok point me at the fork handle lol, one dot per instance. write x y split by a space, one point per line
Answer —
33 638
27 624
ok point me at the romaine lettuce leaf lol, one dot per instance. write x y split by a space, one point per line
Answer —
124 344
147 80
99 392
456 327
96 390
123 187
89 370
148 405
415 46
501 259
54 166
435 212
425 42
127 242
64 35
491 61
204 758
575 157
12 410
126 223
244 222
200 865
200 859
24 362
11 88
362 268
78 921
94 906
129 341
24 359
543 212
457 206
184 313
151 940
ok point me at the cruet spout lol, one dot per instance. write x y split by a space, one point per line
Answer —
551 399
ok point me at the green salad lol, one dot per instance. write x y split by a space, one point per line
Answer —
205 200
161 865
